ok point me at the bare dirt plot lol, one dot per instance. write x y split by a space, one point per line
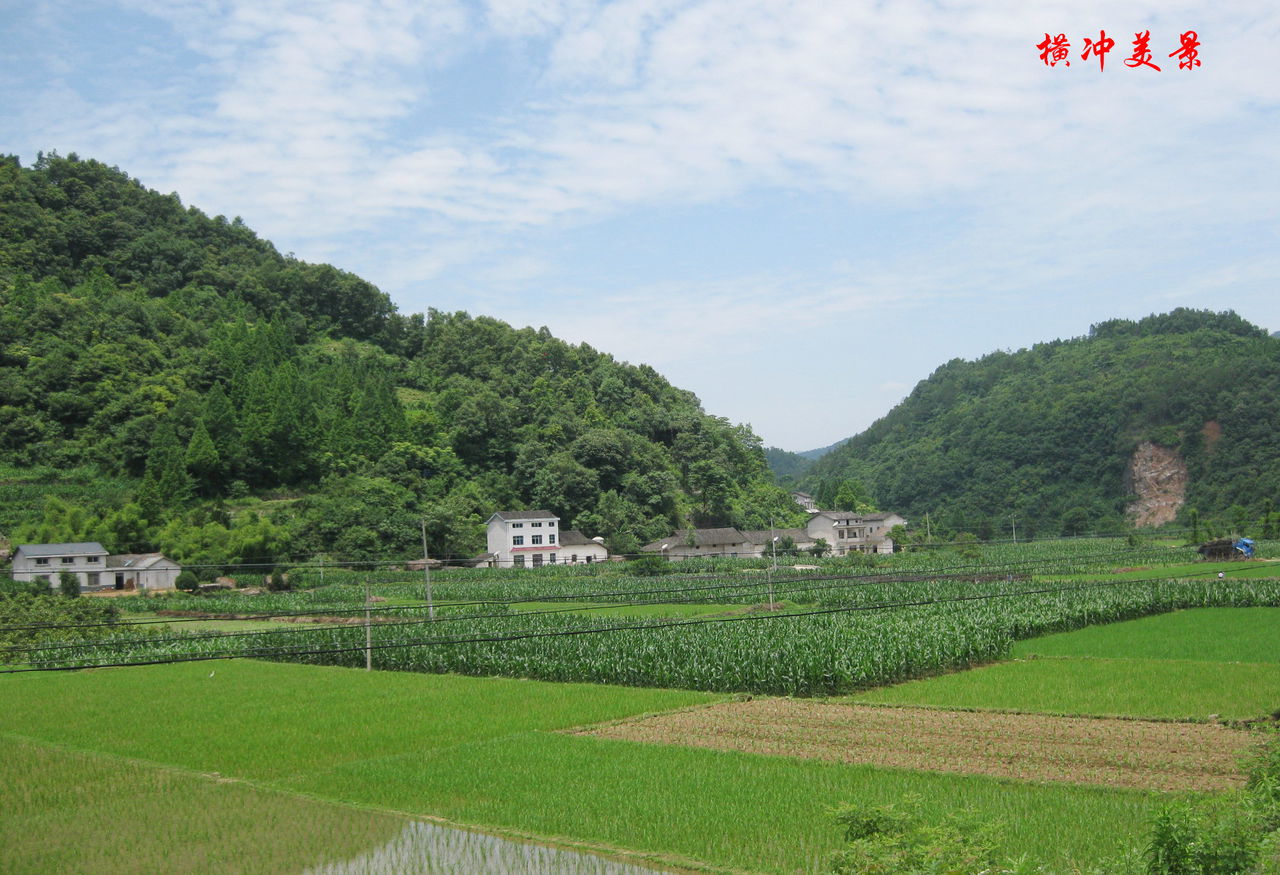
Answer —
1035 747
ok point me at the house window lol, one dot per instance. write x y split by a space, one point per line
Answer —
551 525
519 561
91 559
574 559
589 560
551 538
42 561
536 539
94 579
517 525
517 540
67 560
536 525
537 560
551 560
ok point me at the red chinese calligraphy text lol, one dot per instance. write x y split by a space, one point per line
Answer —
1188 53
1100 48
1141 56
1054 49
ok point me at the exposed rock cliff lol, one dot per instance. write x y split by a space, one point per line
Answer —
1157 478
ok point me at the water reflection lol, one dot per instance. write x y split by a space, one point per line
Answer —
430 849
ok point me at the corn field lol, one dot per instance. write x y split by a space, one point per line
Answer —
843 633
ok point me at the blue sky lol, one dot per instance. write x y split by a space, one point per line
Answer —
796 209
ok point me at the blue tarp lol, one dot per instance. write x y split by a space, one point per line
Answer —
1245 546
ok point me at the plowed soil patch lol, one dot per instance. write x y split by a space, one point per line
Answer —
1079 750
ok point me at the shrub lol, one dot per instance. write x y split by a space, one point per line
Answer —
650 566
899 839
1236 832
9 586
187 581
68 584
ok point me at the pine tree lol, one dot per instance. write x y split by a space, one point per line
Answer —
203 462
166 465
219 420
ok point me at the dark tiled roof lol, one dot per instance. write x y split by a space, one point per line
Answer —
525 515
574 538
764 536
701 538
81 549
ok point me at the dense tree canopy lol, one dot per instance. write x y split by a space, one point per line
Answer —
1043 436
144 340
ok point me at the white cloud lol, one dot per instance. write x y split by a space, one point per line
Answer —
333 127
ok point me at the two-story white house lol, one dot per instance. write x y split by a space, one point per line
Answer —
86 560
849 532
532 538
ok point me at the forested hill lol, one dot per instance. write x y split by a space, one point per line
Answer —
179 384
1044 437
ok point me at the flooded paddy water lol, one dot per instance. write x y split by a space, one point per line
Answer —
432 849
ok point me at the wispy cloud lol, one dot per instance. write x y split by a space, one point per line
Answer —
333 127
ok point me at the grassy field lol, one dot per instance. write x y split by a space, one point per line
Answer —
1186 665
115 815
1210 634
484 752
372 749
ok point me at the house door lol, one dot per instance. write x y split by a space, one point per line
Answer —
119 580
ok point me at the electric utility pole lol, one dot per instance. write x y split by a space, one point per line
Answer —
426 573
368 630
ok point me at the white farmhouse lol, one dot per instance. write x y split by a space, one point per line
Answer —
577 549
142 571
94 567
848 532
86 560
726 541
532 538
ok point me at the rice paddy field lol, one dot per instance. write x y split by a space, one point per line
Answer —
492 753
1215 663
639 717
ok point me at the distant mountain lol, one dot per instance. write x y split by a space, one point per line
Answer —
814 455
789 467
1174 414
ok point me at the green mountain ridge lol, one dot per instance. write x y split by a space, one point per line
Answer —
173 382
1042 438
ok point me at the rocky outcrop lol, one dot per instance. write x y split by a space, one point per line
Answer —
1157 478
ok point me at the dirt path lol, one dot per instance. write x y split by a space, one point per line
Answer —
1080 750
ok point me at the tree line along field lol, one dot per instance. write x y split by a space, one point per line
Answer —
497 753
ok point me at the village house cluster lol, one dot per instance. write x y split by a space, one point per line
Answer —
515 539
533 538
